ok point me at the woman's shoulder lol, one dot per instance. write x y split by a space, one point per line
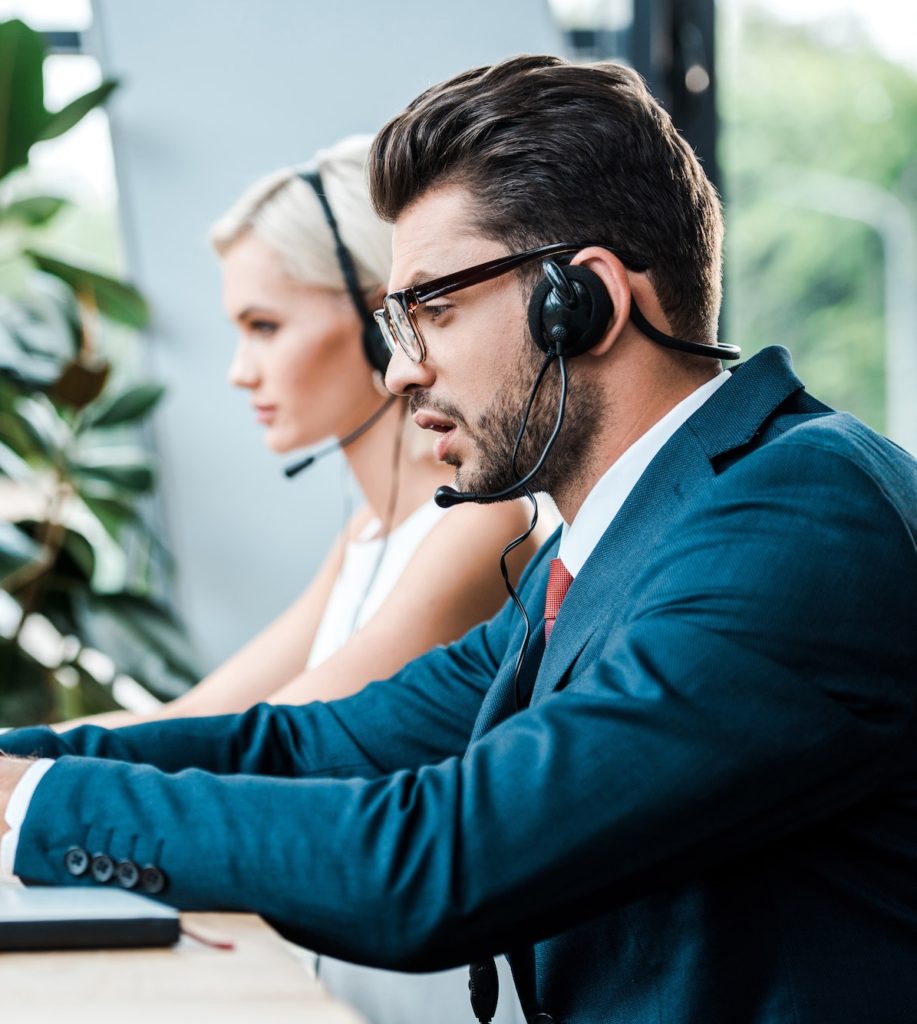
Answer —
506 518
470 538
357 525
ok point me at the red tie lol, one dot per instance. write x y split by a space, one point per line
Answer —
559 581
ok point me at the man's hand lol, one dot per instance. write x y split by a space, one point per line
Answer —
11 771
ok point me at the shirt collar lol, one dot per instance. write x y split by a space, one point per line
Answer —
579 538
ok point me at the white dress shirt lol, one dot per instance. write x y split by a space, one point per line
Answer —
604 501
577 543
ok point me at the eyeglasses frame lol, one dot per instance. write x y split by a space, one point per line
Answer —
408 299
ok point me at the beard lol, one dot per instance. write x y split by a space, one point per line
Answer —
494 431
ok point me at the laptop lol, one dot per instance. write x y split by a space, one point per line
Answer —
51 917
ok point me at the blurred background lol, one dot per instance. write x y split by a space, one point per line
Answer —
180 537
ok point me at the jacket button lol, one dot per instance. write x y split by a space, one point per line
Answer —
152 879
543 1018
76 861
103 867
127 873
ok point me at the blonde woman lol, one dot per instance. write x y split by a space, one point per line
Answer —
304 261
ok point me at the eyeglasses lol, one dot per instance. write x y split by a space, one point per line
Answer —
396 319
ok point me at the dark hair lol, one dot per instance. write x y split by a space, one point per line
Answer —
558 152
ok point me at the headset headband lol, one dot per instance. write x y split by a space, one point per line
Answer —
345 261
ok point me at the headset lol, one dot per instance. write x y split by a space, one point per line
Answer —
570 310
568 313
374 348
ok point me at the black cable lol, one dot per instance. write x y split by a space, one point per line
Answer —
483 982
526 492
386 527
388 519
511 590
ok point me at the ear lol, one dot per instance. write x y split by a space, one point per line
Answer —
614 276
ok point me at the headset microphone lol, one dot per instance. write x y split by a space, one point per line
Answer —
340 444
446 497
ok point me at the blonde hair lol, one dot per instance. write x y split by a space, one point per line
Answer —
283 212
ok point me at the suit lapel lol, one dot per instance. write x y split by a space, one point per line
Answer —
730 418
500 700
596 597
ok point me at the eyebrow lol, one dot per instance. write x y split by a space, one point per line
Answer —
418 277
251 311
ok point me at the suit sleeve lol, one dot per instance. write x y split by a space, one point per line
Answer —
423 713
762 682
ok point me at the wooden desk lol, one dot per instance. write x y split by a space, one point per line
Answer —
261 981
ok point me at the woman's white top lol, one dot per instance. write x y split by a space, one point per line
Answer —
370 569
369 572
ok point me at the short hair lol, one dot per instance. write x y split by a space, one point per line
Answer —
283 211
559 152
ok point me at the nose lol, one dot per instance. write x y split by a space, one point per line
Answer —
243 370
403 375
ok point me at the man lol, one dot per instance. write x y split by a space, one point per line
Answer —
695 801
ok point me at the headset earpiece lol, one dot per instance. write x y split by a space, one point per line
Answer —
374 348
569 310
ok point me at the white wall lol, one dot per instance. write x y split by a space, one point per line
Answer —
215 94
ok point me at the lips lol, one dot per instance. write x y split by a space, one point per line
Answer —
265 413
428 420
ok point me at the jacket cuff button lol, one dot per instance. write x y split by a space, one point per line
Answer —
76 861
152 880
127 874
103 867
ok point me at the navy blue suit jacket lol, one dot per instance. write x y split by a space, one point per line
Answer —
708 813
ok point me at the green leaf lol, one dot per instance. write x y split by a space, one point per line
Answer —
16 549
113 513
90 553
33 369
81 551
57 604
47 431
22 106
64 119
130 405
127 468
87 697
26 694
17 439
12 464
39 331
143 638
33 211
115 299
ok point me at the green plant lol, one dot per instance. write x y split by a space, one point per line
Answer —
78 561
799 106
